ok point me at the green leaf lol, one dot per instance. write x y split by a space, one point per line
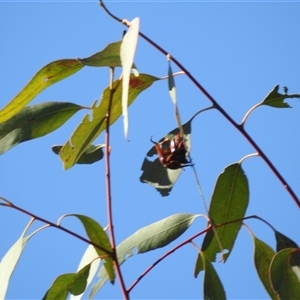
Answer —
263 255
275 99
48 75
229 202
98 236
200 264
35 121
91 155
89 130
285 273
151 237
57 71
284 242
11 258
213 288
155 174
90 256
109 56
74 283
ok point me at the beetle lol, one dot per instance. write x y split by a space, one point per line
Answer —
172 153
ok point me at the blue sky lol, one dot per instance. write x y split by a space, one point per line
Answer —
237 51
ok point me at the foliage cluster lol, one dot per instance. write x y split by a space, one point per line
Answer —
277 269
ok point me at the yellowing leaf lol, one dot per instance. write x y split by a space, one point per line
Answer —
48 75
88 130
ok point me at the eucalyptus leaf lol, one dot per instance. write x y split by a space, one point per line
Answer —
275 99
91 155
228 203
263 255
88 130
98 236
127 53
285 273
213 288
11 258
74 283
56 71
284 242
35 121
48 75
90 256
151 237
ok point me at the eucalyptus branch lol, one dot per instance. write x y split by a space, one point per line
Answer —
51 224
189 240
108 189
219 108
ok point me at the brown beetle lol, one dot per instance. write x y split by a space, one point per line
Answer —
172 153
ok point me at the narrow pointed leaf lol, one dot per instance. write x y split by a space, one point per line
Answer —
74 283
57 71
151 237
285 275
35 121
275 99
48 75
263 255
213 288
155 174
171 83
89 257
284 242
91 155
172 92
127 53
109 56
89 130
199 266
98 236
229 202
10 260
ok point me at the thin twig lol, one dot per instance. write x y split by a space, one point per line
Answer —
49 223
206 209
220 109
201 192
166 255
249 112
108 189
190 240
248 156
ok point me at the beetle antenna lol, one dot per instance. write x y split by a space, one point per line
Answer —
152 140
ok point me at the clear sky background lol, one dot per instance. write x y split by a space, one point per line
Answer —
237 51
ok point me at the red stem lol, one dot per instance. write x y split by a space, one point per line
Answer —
108 192
219 108
166 255
189 240
9 204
